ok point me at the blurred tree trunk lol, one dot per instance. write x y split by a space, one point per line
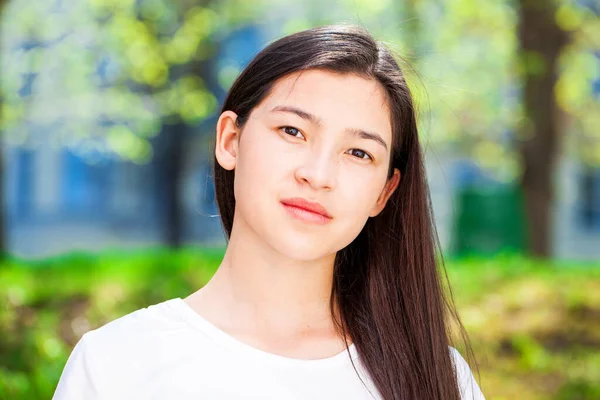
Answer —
172 165
173 156
540 43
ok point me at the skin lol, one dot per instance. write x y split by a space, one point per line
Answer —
272 288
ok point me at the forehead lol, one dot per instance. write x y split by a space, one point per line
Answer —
339 100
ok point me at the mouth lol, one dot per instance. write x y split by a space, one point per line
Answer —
306 211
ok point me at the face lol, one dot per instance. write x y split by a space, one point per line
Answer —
318 136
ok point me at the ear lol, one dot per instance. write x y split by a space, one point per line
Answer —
226 145
387 191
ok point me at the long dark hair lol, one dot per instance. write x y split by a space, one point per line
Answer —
387 287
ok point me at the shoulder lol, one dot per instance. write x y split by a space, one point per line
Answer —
137 325
105 358
469 389
153 329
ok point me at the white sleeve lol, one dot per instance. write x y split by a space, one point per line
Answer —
78 379
469 390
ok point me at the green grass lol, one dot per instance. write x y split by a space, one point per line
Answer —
534 326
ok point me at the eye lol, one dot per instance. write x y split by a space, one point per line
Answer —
361 154
291 130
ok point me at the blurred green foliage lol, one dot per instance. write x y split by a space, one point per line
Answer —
467 71
48 305
535 328
534 325
151 53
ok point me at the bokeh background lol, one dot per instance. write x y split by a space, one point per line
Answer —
108 113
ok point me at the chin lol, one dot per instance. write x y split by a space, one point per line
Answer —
306 245
295 247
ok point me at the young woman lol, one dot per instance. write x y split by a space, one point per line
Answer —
329 288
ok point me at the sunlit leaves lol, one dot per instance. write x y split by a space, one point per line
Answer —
101 71
368 8
569 17
233 13
12 114
105 7
468 70
578 88
227 76
128 145
198 25
187 97
141 50
296 25
574 87
108 66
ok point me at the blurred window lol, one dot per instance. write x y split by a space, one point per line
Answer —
85 186
25 183
589 199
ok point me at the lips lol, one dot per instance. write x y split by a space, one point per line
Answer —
307 205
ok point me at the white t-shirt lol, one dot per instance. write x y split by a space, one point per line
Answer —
169 351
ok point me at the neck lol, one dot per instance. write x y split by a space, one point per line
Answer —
261 289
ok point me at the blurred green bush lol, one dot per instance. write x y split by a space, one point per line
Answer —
534 327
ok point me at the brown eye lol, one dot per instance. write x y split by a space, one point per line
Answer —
361 154
290 130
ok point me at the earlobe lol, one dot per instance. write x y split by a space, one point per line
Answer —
226 144
389 188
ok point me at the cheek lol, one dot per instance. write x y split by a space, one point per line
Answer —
360 193
359 197
259 165
266 160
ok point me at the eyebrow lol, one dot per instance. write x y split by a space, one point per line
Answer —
318 122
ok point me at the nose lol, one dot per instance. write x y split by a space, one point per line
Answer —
318 170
